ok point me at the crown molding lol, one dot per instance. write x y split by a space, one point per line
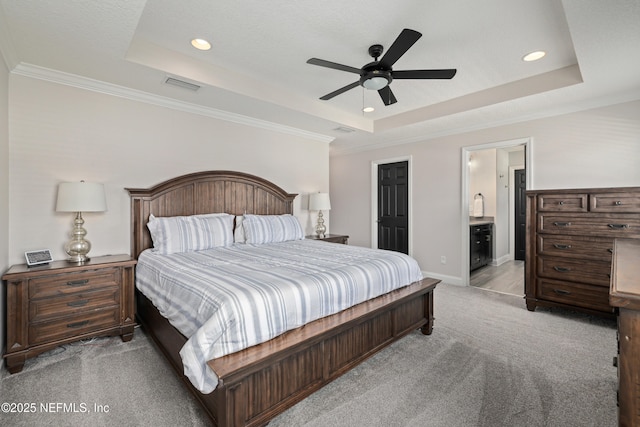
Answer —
60 77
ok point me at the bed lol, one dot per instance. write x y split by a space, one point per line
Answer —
259 382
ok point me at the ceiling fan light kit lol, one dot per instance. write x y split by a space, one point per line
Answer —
372 81
378 75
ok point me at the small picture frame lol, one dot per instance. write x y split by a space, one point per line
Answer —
39 257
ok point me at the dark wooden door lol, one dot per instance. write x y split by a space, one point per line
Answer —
393 206
520 214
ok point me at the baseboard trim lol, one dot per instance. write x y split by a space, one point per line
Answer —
452 280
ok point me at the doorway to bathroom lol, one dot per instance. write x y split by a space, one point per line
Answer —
501 173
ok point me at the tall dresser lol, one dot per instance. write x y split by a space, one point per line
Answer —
570 236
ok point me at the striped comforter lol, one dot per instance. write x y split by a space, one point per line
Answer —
233 297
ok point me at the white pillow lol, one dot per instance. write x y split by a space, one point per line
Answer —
271 228
190 233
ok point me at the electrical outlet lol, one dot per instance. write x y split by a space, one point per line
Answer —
443 259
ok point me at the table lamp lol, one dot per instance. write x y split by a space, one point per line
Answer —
320 202
80 197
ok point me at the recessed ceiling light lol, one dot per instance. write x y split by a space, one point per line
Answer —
201 44
368 109
534 56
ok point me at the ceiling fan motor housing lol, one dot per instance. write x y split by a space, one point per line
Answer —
375 76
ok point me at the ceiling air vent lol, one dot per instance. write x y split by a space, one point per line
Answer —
344 129
181 83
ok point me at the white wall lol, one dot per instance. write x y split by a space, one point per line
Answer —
60 133
4 188
502 227
482 179
594 148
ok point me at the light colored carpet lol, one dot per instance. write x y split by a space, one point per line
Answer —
489 362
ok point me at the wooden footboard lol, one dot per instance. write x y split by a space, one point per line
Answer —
259 383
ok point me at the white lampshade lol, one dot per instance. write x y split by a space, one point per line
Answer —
81 197
319 202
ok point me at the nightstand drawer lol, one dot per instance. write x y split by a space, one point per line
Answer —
71 326
337 239
61 284
79 302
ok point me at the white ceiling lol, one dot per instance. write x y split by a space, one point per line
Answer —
257 67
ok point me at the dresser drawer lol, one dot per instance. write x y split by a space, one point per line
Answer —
60 306
594 272
61 284
70 326
575 294
614 226
628 202
591 248
558 202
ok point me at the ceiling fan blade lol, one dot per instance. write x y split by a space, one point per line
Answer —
405 40
424 74
339 91
333 65
387 96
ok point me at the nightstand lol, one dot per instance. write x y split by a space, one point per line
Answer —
61 302
333 238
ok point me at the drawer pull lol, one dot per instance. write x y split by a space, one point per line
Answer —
561 292
618 226
618 203
561 202
77 282
78 324
562 224
78 303
559 246
561 269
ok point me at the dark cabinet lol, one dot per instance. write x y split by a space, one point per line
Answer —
480 244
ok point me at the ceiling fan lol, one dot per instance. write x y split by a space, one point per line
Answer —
377 75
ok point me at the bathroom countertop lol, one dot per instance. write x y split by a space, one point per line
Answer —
480 221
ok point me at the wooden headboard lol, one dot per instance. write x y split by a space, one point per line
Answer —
204 192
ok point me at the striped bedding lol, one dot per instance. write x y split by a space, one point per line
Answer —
229 298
